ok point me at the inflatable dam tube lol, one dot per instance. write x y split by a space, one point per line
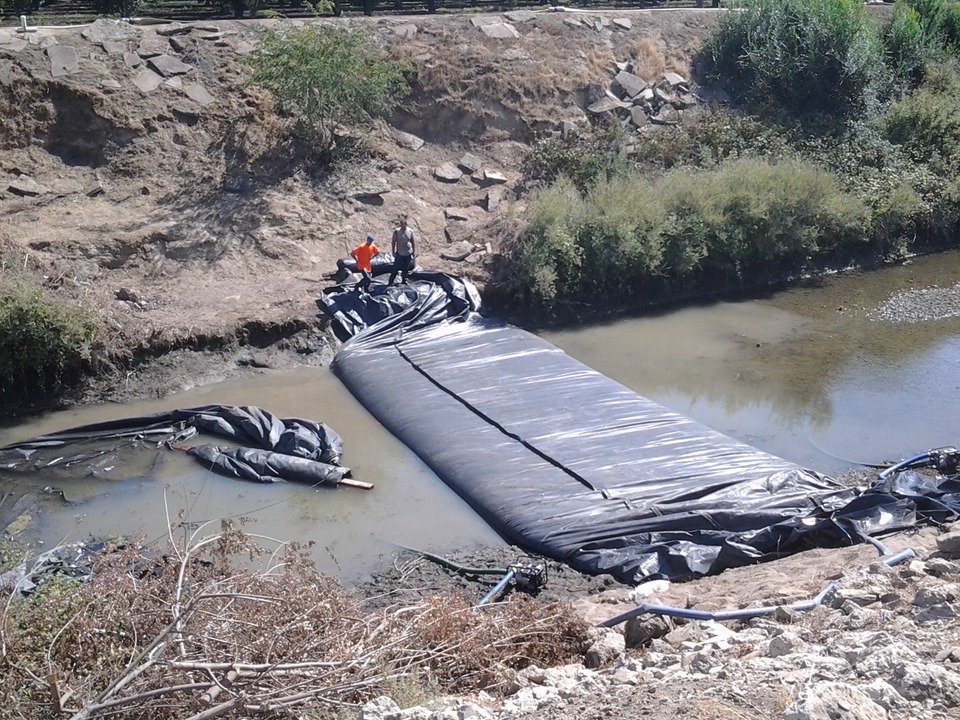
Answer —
570 464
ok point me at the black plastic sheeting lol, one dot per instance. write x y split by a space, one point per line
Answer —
425 299
381 264
271 449
570 464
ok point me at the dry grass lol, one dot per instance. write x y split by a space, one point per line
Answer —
715 710
647 58
200 635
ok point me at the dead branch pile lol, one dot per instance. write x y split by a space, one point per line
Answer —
198 636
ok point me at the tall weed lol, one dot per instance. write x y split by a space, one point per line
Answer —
799 57
43 344
747 221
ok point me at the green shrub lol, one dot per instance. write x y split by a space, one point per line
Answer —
43 344
326 76
583 156
621 230
547 259
718 136
927 122
747 222
907 46
799 57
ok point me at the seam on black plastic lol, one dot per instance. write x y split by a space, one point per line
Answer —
479 413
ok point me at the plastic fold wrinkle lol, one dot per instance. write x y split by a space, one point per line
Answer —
271 449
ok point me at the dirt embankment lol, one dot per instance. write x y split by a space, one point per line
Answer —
141 176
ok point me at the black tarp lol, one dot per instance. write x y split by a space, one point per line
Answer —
272 448
568 463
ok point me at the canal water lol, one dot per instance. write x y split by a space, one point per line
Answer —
828 375
820 375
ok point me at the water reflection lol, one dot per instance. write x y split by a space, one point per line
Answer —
809 374
351 528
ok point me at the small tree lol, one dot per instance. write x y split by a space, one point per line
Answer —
326 76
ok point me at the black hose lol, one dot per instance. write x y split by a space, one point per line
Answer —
450 565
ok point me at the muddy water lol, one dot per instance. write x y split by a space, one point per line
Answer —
817 374
352 528
813 375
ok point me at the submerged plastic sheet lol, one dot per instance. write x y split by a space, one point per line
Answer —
283 448
568 463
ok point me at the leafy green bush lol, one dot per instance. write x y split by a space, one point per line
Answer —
747 222
583 156
326 76
42 343
718 136
548 259
927 122
800 57
920 34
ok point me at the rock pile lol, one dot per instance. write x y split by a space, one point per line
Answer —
633 101
883 645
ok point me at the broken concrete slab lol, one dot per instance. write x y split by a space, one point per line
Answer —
169 66
606 104
174 29
500 31
147 80
175 82
26 186
632 85
63 60
458 231
104 29
639 116
458 251
492 200
519 16
372 188
407 140
469 163
14 46
114 47
673 80
198 93
66 186
668 115
452 213
180 44
622 23
187 112
109 84
493 177
132 59
152 46
447 173
405 31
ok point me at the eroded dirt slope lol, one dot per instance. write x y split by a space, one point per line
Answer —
140 174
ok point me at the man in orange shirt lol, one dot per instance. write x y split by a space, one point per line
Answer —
363 254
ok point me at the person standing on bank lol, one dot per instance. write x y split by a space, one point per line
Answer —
363 254
404 249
